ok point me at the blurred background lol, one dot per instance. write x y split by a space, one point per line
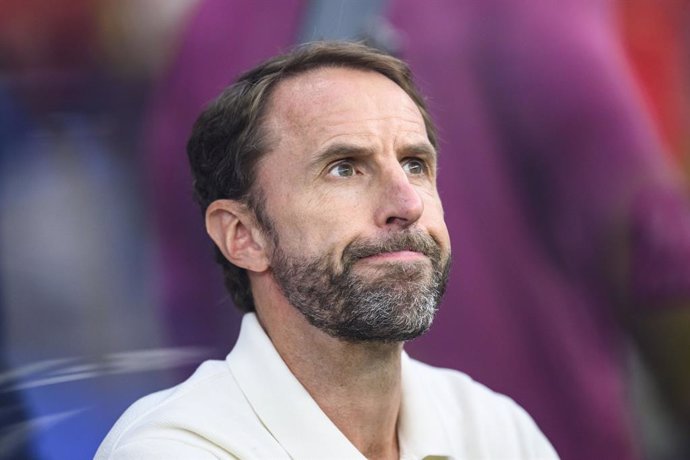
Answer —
565 152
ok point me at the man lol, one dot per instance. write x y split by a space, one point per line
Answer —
316 172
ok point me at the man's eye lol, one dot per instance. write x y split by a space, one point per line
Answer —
414 166
343 169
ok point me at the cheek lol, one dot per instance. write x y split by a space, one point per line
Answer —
432 204
335 207
315 225
434 220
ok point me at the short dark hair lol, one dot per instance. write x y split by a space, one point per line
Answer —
228 138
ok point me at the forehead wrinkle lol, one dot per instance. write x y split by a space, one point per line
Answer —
301 108
328 122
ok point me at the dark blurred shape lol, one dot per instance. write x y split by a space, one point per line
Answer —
73 243
15 439
221 39
43 34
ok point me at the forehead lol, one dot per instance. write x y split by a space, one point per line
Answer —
331 99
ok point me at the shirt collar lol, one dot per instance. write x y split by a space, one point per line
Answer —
421 433
282 404
301 427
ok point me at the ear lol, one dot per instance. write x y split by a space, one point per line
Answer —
231 225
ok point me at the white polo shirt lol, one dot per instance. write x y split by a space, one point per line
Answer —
250 406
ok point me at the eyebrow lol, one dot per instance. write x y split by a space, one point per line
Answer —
340 150
343 150
421 148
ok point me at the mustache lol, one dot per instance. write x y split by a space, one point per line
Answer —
414 240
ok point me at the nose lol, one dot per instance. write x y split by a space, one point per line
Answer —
399 203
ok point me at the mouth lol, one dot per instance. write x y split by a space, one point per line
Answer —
397 256
401 249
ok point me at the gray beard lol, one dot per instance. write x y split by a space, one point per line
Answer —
396 303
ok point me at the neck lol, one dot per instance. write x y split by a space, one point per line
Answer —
357 385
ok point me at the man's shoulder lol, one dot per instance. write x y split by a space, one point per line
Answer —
457 389
482 418
193 417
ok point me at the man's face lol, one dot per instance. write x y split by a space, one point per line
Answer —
360 246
